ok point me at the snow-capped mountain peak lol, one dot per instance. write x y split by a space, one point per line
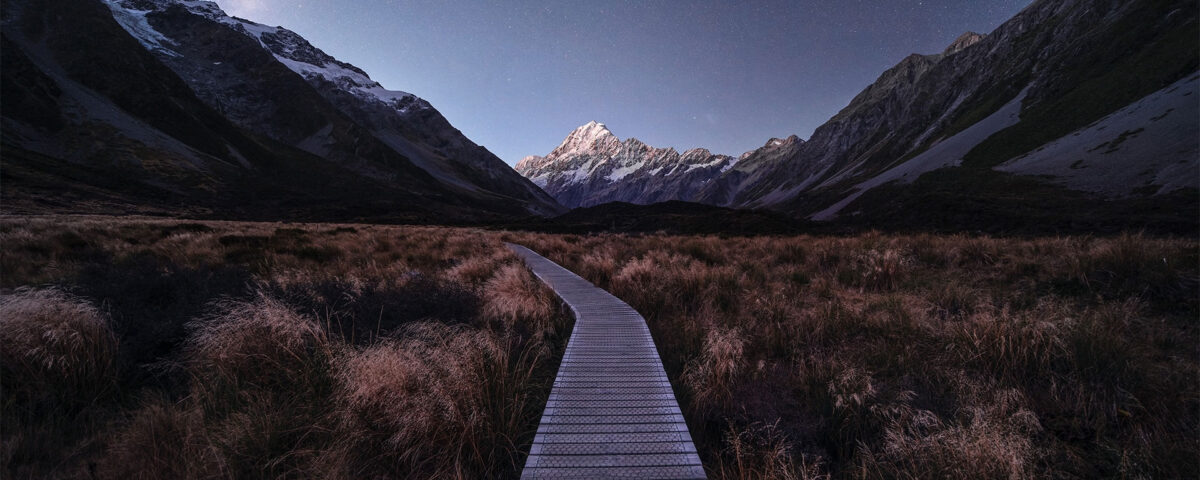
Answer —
593 129
302 57
329 108
287 46
593 166
593 136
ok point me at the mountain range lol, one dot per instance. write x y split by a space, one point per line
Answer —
592 166
173 106
1079 108
1079 112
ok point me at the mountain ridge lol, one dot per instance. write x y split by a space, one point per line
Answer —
299 133
590 166
974 108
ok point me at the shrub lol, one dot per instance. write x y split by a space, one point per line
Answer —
151 299
1132 266
322 254
252 241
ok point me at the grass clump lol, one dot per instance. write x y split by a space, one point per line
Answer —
419 398
227 350
918 356
55 347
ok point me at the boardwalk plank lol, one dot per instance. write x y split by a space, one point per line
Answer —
611 412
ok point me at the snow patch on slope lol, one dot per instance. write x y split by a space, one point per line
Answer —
619 173
706 165
1152 142
540 180
948 152
351 80
579 174
134 22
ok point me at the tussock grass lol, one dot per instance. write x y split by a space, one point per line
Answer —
419 404
55 347
516 299
250 350
711 376
419 398
764 451
260 350
161 440
919 356
254 344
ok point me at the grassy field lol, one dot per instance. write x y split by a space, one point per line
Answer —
886 356
170 349
166 349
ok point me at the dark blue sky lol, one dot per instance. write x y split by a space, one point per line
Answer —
518 76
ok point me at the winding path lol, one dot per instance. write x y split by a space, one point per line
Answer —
611 412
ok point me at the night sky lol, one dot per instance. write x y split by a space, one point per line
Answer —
517 77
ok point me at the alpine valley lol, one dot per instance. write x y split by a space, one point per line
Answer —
174 107
1072 115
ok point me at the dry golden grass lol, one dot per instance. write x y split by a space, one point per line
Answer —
161 440
259 350
721 362
919 356
249 350
254 342
55 344
420 396
516 299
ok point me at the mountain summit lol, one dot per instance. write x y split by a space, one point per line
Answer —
589 137
963 41
593 166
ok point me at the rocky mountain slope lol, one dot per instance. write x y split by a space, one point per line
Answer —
173 106
1056 67
592 166
1087 96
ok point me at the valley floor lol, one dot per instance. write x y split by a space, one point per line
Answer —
425 351
174 349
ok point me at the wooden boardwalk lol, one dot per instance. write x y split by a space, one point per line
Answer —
611 412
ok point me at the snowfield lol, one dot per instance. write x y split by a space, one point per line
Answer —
946 153
1152 143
